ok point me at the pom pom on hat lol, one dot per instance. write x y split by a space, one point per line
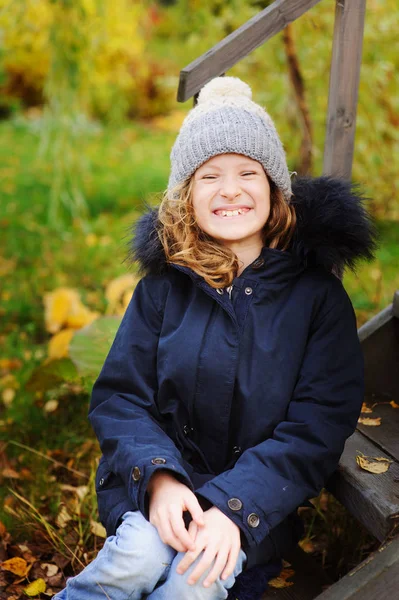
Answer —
224 86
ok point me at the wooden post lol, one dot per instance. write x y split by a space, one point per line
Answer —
344 86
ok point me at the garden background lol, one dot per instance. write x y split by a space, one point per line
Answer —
88 115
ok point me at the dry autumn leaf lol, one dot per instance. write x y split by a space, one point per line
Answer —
35 588
281 580
369 421
58 346
366 409
16 565
393 404
98 529
307 545
64 308
116 291
58 305
373 464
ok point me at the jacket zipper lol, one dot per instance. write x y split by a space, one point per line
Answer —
229 290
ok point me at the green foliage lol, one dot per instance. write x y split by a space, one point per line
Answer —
90 345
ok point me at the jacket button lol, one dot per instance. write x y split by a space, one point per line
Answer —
258 263
235 504
158 461
136 474
101 482
237 450
248 291
219 291
253 520
187 429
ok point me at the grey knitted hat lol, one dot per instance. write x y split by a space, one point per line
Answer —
226 119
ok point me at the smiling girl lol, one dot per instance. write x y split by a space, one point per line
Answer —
236 374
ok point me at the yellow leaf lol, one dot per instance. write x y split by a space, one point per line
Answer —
35 588
393 404
16 565
370 422
58 346
116 289
80 316
366 409
281 580
58 305
372 464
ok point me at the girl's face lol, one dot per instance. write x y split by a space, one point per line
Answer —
231 199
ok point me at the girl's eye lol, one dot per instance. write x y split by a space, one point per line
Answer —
249 173
209 177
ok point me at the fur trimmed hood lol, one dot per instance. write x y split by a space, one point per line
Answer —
334 228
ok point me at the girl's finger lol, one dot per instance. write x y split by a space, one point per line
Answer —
193 530
193 506
231 562
204 564
179 529
220 563
168 537
189 558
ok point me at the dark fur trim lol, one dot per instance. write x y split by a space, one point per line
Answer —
333 227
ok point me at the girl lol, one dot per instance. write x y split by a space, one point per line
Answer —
236 374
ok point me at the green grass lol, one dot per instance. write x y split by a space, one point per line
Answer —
128 165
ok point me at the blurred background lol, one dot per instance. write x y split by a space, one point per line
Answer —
88 114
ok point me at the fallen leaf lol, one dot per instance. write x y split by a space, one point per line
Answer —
58 346
97 529
63 517
370 422
10 473
58 304
281 580
16 565
307 545
35 588
377 464
393 404
366 409
116 290
50 569
80 490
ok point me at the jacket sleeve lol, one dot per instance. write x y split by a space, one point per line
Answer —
276 476
123 410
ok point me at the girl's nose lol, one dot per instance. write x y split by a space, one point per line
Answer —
230 189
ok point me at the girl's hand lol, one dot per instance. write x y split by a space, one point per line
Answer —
168 500
220 539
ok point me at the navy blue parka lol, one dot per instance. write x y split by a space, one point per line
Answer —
248 399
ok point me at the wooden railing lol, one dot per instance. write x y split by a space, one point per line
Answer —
344 74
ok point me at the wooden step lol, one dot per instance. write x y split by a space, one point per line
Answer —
374 499
376 578
309 579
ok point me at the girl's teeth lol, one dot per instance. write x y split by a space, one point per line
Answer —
231 213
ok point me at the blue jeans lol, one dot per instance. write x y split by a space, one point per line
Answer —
135 564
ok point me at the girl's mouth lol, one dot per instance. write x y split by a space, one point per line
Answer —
231 213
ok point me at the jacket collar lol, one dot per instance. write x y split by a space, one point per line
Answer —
333 229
